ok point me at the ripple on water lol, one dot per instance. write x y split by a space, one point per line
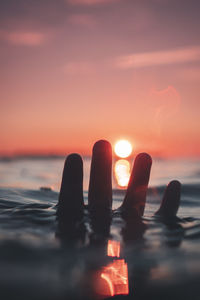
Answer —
161 258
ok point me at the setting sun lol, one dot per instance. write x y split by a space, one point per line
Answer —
123 148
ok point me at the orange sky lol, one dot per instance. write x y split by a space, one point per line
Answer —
74 71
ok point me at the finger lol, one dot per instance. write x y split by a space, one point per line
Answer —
133 230
100 186
171 200
100 226
134 201
70 203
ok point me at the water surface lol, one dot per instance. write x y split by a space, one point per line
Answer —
148 259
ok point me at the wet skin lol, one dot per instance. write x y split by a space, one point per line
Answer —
72 214
71 205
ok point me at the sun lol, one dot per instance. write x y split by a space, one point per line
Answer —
123 148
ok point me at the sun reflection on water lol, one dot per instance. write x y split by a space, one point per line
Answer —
113 248
122 172
114 276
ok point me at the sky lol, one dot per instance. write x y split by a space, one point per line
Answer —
75 71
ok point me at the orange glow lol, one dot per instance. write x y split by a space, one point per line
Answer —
122 172
110 284
113 248
114 277
123 148
146 93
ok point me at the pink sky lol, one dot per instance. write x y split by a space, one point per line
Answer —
74 71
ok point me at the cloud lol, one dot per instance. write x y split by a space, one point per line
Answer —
24 38
158 58
89 2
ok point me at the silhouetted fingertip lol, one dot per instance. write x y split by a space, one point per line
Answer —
141 170
142 166
100 186
171 200
144 157
172 191
74 158
174 184
71 191
137 188
102 146
72 172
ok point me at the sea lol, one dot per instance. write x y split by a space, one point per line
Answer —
146 259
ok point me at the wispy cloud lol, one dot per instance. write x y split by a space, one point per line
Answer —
24 38
89 2
158 58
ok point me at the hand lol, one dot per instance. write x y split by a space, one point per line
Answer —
128 223
71 204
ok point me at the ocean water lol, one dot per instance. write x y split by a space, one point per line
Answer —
151 259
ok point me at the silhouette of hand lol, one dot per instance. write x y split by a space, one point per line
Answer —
71 206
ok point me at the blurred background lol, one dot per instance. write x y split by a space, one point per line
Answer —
74 71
